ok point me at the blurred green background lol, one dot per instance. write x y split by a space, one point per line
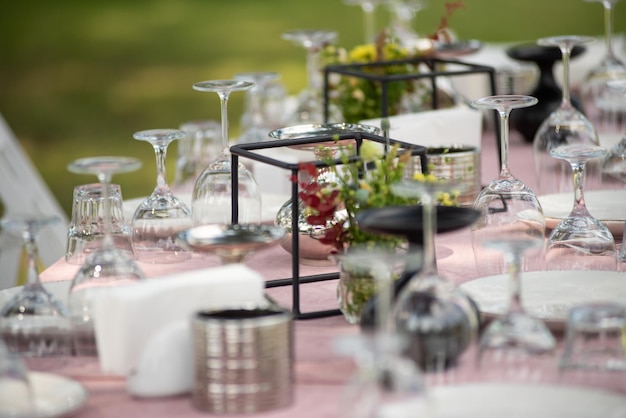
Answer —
79 78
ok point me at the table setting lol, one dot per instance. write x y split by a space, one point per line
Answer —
379 245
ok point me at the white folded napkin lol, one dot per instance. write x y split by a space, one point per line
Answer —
459 125
129 317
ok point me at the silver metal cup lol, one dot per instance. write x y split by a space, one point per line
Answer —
243 360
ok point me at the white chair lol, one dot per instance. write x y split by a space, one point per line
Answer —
23 191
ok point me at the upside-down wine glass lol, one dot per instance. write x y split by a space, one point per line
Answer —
34 323
369 25
614 163
105 267
254 121
310 106
161 215
506 202
511 340
403 14
565 125
603 106
580 241
384 376
437 318
16 391
211 201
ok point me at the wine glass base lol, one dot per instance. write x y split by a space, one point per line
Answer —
517 332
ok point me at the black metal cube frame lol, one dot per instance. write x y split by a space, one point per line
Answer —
433 64
248 151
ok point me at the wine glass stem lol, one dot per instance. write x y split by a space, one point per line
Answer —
504 143
224 112
30 246
608 27
566 53
430 226
312 54
580 208
368 20
513 261
160 151
107 240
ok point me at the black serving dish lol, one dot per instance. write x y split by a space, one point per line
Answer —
407 221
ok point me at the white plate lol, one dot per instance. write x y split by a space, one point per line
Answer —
508 400
548 295
54 395
609 206
270 204
60 290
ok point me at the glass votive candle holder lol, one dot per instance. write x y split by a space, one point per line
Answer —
86 230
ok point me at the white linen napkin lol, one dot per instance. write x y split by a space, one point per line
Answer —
459 125
128 317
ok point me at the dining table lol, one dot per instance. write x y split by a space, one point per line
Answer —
321 373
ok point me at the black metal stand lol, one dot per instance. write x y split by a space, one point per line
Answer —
432 64
248 151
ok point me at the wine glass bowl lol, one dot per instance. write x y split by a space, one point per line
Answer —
211 201
580 241
506 202
515 335
34 323
232 243
160 216
107 266
565 125
309 107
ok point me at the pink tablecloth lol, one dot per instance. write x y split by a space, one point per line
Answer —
320 373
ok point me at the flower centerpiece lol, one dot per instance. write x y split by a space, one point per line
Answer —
360 98
361 183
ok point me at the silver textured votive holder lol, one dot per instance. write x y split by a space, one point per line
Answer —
243 360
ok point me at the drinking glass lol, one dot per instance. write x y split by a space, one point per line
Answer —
196 150
211 200
565 125
34 322
511 340
161 215
105 267
614 164
437 318
580 241
254 122
310 106
85 230
603 107
506 202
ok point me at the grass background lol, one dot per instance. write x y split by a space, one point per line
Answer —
79 78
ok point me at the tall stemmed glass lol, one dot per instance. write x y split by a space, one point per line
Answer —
162 215
565 125
511 339
603 107
211 201
580 241
438 319
615 161
369 25
254 121
34 322
402 20
506 202
105 267
310 107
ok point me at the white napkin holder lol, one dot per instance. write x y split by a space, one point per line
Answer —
143 331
